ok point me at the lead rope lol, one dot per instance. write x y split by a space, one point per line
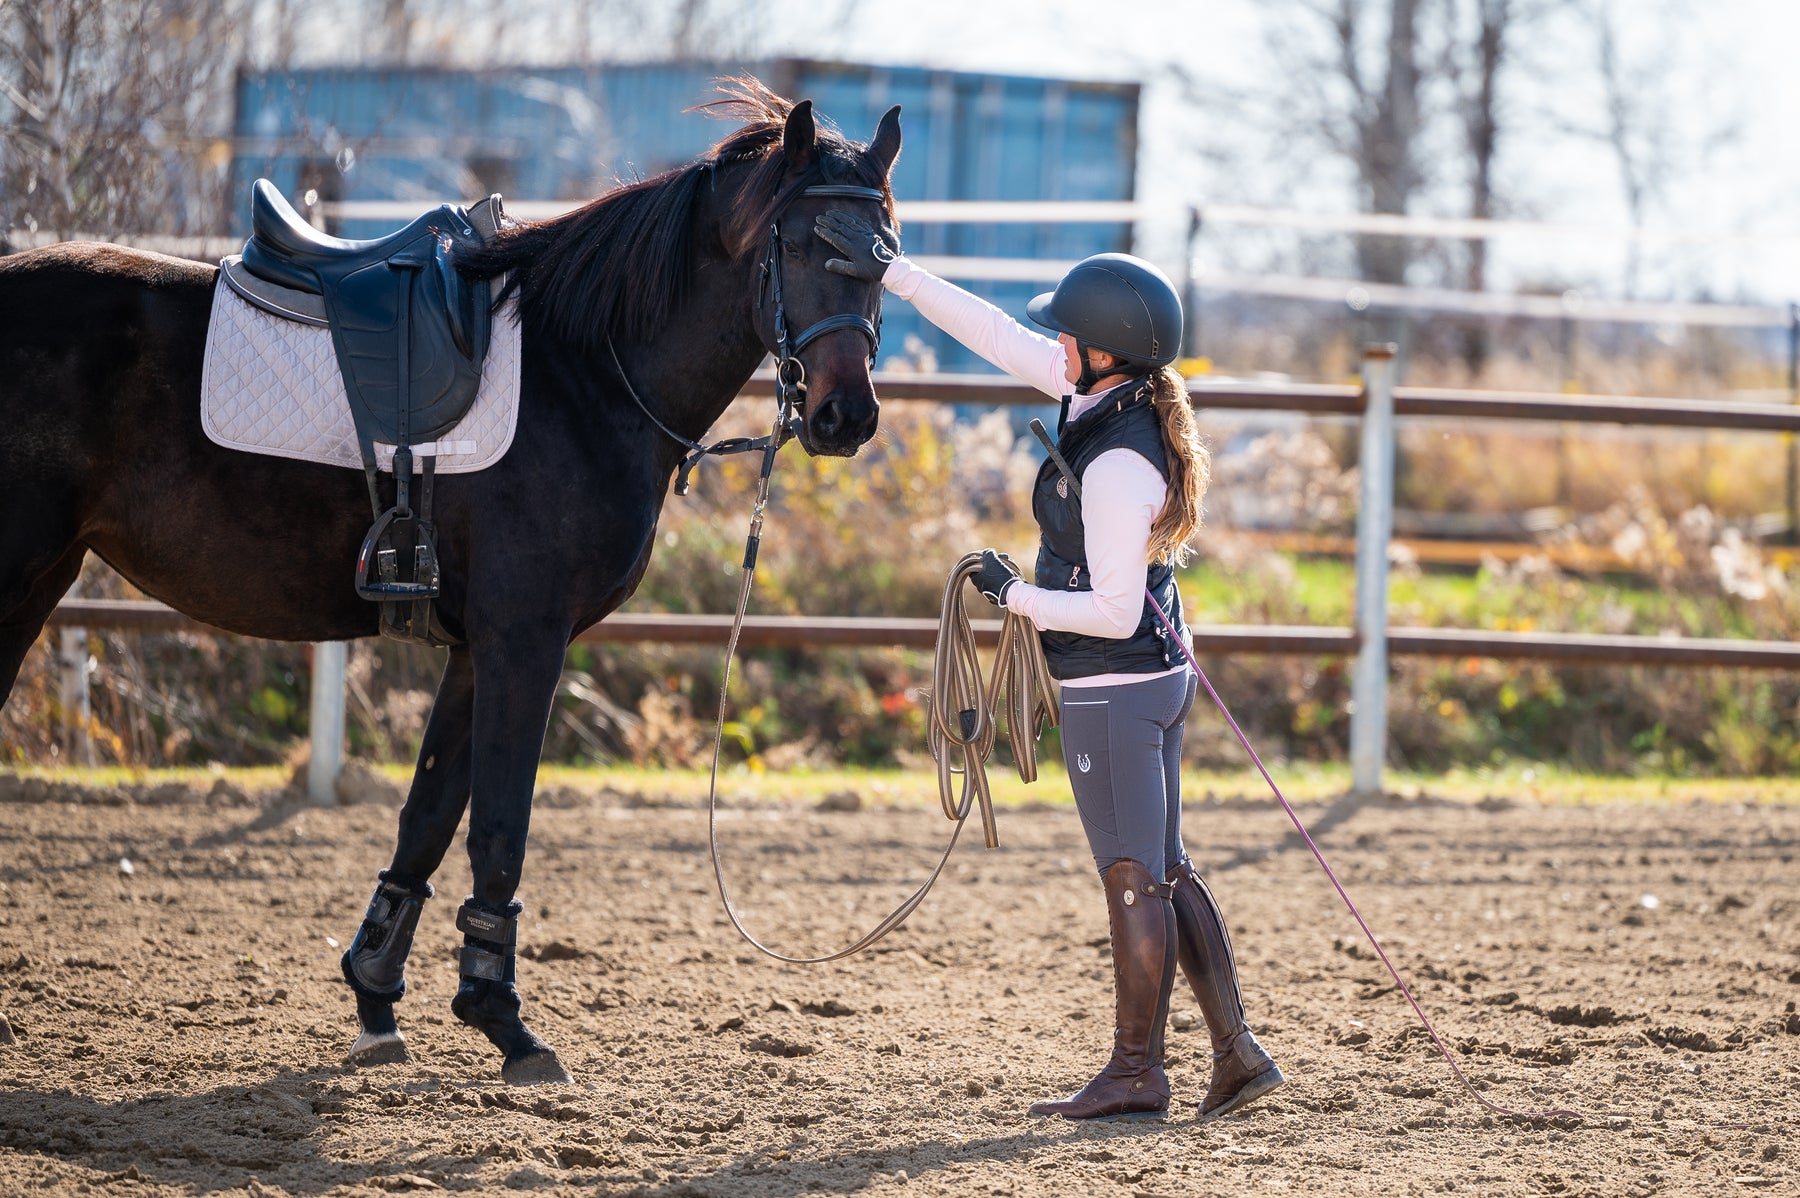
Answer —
1037 426
965 713
1019 670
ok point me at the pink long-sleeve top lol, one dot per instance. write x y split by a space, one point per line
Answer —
1121 492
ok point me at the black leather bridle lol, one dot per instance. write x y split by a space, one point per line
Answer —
786 352
790 372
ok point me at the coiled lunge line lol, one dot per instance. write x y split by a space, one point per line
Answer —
965 714
1019 673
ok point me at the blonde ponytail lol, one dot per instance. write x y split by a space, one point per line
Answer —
1190 469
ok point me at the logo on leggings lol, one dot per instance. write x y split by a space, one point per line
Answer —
1082 762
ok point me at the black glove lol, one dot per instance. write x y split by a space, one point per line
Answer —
996 574
866 251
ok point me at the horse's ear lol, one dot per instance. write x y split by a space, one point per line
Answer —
799 139
886 146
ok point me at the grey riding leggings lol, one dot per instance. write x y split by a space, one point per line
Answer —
1122 745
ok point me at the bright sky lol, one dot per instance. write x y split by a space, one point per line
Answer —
1707 66
1725 64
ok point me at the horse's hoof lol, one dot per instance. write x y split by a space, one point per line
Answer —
538 1069
378 1048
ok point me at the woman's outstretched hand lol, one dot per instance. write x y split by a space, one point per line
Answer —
866 252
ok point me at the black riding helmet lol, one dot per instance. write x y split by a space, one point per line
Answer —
1117 303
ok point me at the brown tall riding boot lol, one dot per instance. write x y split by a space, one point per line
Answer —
1133 1084
1242 1071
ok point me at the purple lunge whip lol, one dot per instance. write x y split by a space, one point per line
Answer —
1043 435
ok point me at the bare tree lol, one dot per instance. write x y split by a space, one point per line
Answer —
480 32
1353 89
398 19
1353 80
282 32
1651 129
1475 61
1631 120
1384 124
114 117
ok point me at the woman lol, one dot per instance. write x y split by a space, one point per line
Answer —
1128 434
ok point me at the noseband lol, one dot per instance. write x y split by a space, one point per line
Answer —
790 372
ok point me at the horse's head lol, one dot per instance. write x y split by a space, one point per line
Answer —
823 327
648 277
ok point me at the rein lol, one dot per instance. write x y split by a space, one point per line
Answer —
790 394
975 730
786 427
967 720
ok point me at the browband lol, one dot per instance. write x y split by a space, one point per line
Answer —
845 191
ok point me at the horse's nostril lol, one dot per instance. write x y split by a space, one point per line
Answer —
844 421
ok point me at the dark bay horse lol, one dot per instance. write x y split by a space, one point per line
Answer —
101 450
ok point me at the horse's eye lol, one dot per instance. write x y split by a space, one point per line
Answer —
790 247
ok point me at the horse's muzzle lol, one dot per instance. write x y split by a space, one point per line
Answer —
840 423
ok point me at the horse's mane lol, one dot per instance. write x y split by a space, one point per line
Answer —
621 264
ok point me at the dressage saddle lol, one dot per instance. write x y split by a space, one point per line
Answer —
410 331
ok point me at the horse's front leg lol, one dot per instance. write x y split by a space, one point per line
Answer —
516 673
375 962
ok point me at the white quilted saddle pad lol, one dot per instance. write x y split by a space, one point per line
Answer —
272 386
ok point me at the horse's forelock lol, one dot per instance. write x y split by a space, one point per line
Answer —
768 189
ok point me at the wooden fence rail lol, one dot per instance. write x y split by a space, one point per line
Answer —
1340 399
895 632
1376 402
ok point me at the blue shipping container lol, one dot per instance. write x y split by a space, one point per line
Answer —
568 133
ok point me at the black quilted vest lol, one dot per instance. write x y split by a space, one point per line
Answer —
1125 420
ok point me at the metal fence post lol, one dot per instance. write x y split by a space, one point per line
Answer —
1374 528
1792 506
330 666
72 692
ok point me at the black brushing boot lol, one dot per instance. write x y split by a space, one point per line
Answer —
488 999
375 967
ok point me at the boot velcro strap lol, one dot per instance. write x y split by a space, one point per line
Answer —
479 963
391 897
389 902
487 925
